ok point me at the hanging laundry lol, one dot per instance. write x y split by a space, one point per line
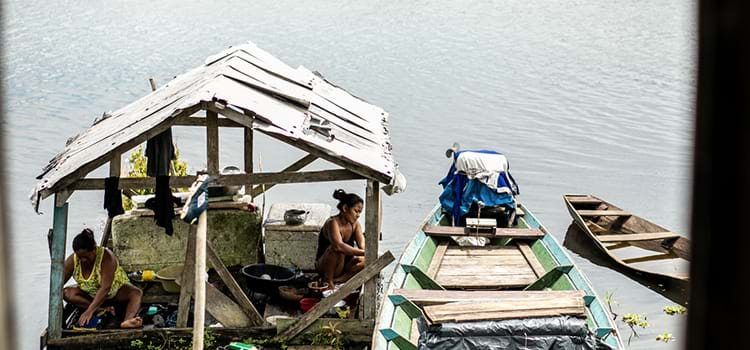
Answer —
160 152
163 204
113 197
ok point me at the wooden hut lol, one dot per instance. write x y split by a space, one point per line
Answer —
241 87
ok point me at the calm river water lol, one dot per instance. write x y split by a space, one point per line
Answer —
583 96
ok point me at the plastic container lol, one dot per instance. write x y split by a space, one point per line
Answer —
307 303
167 276
267 278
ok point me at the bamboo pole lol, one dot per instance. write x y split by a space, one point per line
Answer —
199 311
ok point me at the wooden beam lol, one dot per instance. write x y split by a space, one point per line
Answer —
370 271
353 330
296 166
634 237
212 143
603 213
120 338
437 259
96 163
372 231
517 233
199 309
186 279
239 296
229 179
202 121
530 257
423 297
248 155
583 200
60 228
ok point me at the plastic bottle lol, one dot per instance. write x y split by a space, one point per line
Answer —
141 276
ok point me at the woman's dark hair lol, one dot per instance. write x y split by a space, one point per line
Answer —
348 199
84 241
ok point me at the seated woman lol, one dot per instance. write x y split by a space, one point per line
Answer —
100 279
338 259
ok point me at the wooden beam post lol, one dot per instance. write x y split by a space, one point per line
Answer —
199 311
212 142
296 166
247 307
372 233
186 280
60 228
248 147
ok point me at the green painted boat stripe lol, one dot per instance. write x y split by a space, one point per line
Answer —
424 281
405 304
400 342
549 278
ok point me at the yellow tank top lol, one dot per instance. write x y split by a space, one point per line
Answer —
92 284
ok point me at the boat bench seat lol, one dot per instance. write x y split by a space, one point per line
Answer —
513 304
516 233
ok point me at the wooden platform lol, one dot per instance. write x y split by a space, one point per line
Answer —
539 304
494 267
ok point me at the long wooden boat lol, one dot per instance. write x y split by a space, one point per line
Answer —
631 241
522 274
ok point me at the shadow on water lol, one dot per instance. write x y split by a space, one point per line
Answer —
577 241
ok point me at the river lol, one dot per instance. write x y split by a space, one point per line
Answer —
583 96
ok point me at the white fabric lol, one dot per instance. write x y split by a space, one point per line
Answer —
485 167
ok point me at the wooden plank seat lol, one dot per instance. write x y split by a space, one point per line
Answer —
492 267
584 200
426 297
544 304
633 237
603 213
517 233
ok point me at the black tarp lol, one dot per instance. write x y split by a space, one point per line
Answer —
549 333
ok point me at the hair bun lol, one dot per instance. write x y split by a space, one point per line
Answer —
339 194
88 232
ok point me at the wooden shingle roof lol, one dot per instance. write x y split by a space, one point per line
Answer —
253 88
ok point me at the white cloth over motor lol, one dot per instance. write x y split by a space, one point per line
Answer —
485 167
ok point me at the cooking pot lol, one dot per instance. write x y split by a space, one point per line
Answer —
295 216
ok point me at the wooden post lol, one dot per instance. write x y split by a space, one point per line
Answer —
248 147
212 142
199 311
372 233
60 228
186 280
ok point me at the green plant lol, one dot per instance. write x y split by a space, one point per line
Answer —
138 168
665 337
173 342
608 299
267 342
329 335
675 310
633 321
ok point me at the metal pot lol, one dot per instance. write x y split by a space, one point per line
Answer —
295 216
220 191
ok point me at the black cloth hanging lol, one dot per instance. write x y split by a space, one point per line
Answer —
163 204
113 197
159 151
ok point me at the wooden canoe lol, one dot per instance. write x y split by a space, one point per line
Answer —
632 242
522 273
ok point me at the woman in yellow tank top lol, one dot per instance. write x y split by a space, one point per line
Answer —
99 278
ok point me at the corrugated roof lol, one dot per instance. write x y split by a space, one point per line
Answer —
294 105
